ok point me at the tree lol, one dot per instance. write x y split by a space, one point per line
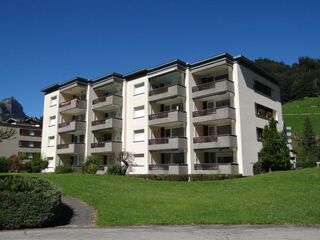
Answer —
310 149
6 133
275 154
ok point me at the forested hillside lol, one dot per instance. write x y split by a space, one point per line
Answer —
299 80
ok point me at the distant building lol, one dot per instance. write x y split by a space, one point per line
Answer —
27 139
175 118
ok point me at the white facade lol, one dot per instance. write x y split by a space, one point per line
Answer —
175 118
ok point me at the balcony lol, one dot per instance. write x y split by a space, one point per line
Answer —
207 115
168 168
104 147
168 143
211 142
72 126
71 148
167 118
221 168
212 88
166 92
106 102
73 106
103 124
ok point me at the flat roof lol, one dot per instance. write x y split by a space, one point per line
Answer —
177 62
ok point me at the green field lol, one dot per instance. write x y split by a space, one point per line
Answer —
280 197
295 112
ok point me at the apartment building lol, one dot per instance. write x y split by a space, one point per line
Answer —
174 118
27 138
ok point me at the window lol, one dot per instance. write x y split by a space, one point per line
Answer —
225 159
177 132
259 134
224 130
31 132
29 155
223 103
51 141
31 145
139 88
52 121
139 160
138 135
263 112
53 101
209 157
138 112
261 88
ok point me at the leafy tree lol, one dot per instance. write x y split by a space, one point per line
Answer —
92 164
310 149
275 154
6 133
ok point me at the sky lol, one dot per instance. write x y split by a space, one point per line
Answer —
50 41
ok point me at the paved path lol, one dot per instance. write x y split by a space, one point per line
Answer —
212 232
83 215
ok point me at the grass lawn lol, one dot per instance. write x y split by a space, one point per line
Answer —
306 105
281 197
297 122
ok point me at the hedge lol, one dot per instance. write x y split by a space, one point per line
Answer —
27 202
187 177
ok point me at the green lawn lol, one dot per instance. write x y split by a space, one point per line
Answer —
294 113
306 105
297 121
282 197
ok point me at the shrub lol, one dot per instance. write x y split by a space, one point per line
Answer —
257 168
4 164
65 168
116 169
37 164
92 164
14 163
27 202
188 177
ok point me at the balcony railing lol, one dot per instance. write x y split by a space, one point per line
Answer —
98 144
206 166
159 141
203 86
162 114
158 90
205 139
63 146
98 122
99 100
30 144
203 112
159 167
66 103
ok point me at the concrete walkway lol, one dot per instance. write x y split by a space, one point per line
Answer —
212 232
82 214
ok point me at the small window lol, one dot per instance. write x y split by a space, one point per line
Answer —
138 112
139 88
139 159
51 141
52 121
259 134
53 101
138 135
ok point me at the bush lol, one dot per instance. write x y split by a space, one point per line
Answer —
65 168
27 202
188 177
116 169
92 164
4 164
37 164
257 168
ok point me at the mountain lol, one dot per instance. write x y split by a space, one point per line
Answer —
10 107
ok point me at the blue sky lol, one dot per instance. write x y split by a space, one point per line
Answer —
43 42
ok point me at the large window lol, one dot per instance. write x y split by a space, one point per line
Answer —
261 88
138 112
138 135
139 88
263 112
